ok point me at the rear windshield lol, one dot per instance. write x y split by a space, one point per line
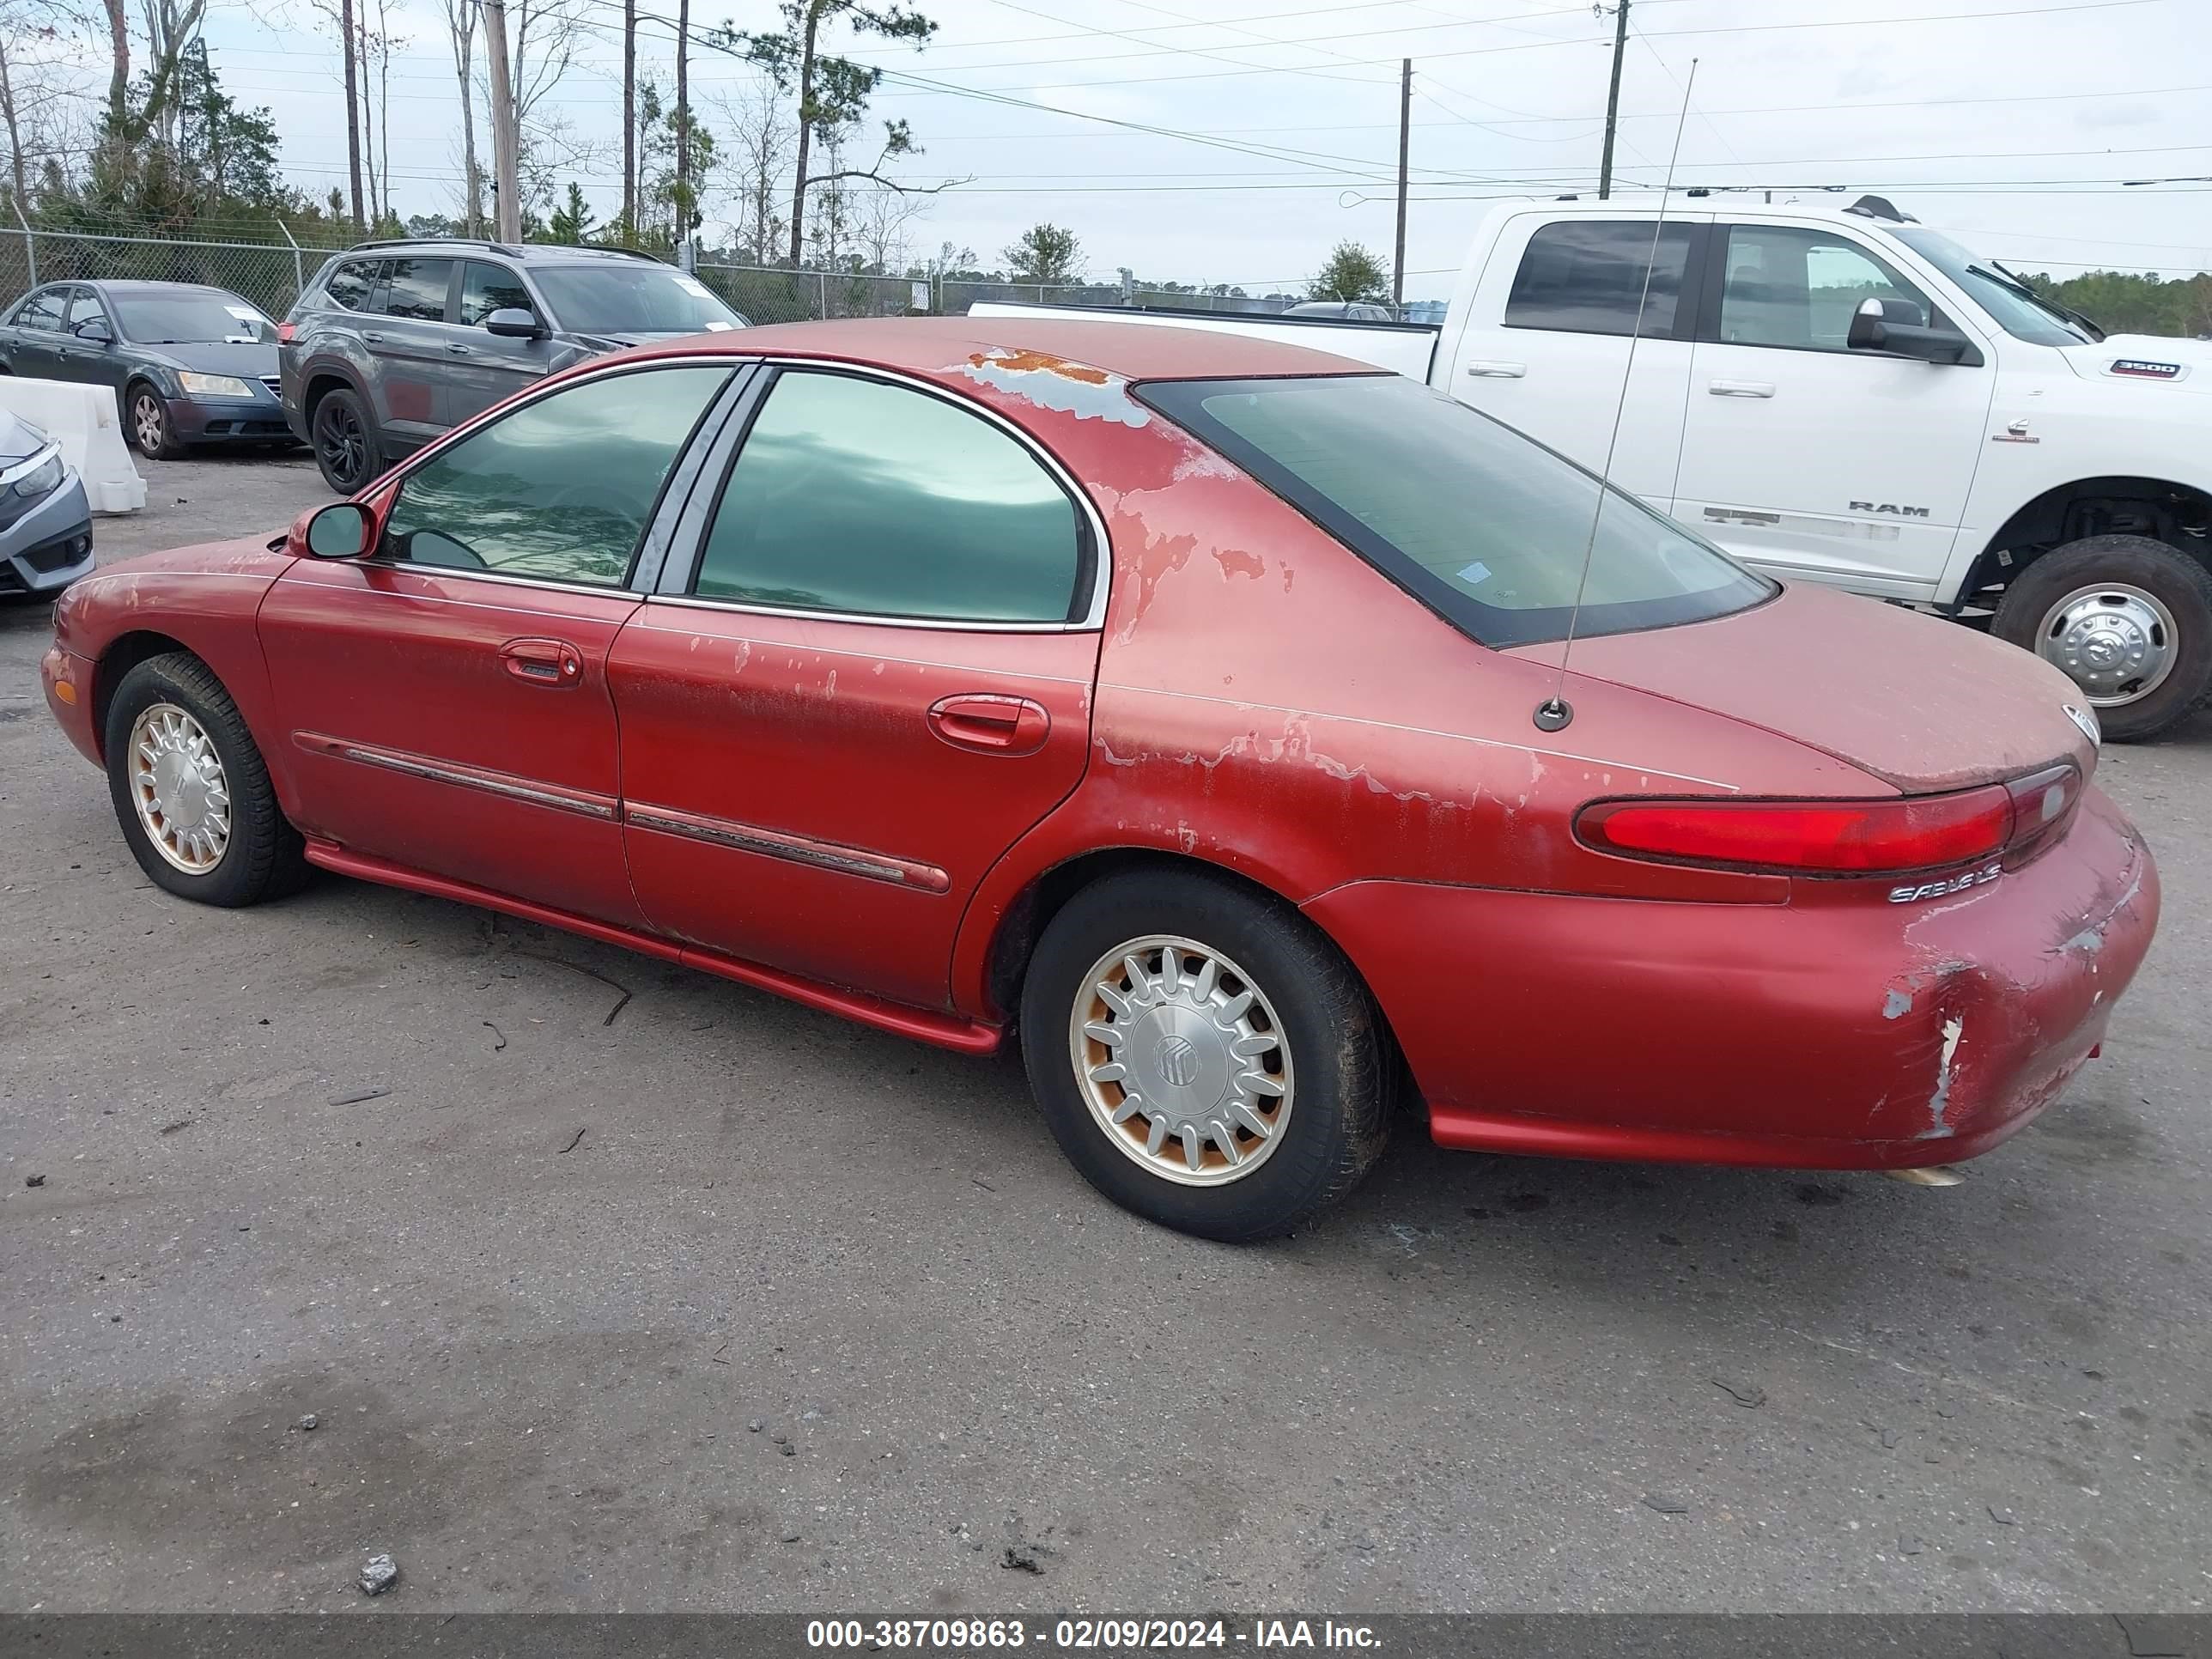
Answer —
633 297
1486 527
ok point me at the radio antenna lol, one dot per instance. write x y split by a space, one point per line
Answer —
1554 713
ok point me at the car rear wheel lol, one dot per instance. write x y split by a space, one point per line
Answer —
1205 1058
190 790
2128 619
346 445
147 420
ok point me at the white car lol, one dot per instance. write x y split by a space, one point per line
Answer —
1849 396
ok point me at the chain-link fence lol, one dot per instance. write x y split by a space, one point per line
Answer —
271 273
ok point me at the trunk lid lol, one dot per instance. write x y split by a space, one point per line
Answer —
1917 702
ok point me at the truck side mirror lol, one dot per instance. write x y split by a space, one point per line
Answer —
1894 327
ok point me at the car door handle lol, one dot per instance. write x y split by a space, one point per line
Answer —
372 338
1741 388
1497 371
990 724
551 663
459 349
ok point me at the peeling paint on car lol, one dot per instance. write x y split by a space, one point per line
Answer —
1940 1102
1050 382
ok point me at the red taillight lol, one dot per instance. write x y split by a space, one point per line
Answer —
285 332
1842 837
1824 837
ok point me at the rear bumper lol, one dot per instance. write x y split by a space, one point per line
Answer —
1828 1032
50 545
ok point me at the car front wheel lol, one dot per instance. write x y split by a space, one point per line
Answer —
2128 619
1203 1056
152 434
190 789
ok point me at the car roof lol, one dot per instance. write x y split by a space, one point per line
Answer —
939 347
144 285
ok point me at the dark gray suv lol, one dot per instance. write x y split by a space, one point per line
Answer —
392 343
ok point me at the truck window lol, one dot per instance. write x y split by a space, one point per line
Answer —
1586 276
1487 528
1797 289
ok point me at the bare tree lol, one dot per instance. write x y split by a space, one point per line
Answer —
170 25
763 139
879 221
461 23
35 80
118 72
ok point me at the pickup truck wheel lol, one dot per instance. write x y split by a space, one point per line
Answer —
190 789
1205 1059
2128 619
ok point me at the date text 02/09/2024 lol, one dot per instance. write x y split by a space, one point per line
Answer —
1087 1634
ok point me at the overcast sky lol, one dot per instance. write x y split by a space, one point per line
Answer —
2011 127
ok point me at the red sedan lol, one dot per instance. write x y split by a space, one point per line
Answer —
1192 705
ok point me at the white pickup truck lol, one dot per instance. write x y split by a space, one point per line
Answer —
1847 396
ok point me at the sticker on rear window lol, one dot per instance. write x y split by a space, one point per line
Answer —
1471 574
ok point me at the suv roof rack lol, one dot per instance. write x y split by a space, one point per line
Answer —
420 241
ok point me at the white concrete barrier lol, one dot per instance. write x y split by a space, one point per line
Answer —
84 420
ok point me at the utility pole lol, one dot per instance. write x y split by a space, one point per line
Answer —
353 115
506 142
682 122
630 122
1405 137
1613 99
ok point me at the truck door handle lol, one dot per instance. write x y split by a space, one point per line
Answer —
372 338
458 349
1498 371
1741 388
549 663
989 724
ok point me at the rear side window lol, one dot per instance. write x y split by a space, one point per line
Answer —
1586 276
873 500
351 284
562 487
1485 527
486 288
417 289
42 310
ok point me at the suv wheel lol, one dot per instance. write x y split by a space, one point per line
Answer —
346 445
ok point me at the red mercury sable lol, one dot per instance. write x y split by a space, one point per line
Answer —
1198 707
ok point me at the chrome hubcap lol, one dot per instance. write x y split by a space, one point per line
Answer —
177 785
2116 641
1182 1059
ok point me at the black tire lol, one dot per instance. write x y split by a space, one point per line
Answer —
2178 581
265 857
1339 1060
348 447
146 422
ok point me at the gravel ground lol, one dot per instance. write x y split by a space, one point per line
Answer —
812 1319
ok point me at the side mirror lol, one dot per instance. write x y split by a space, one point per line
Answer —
513 323
1894 327
337 530
94 331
